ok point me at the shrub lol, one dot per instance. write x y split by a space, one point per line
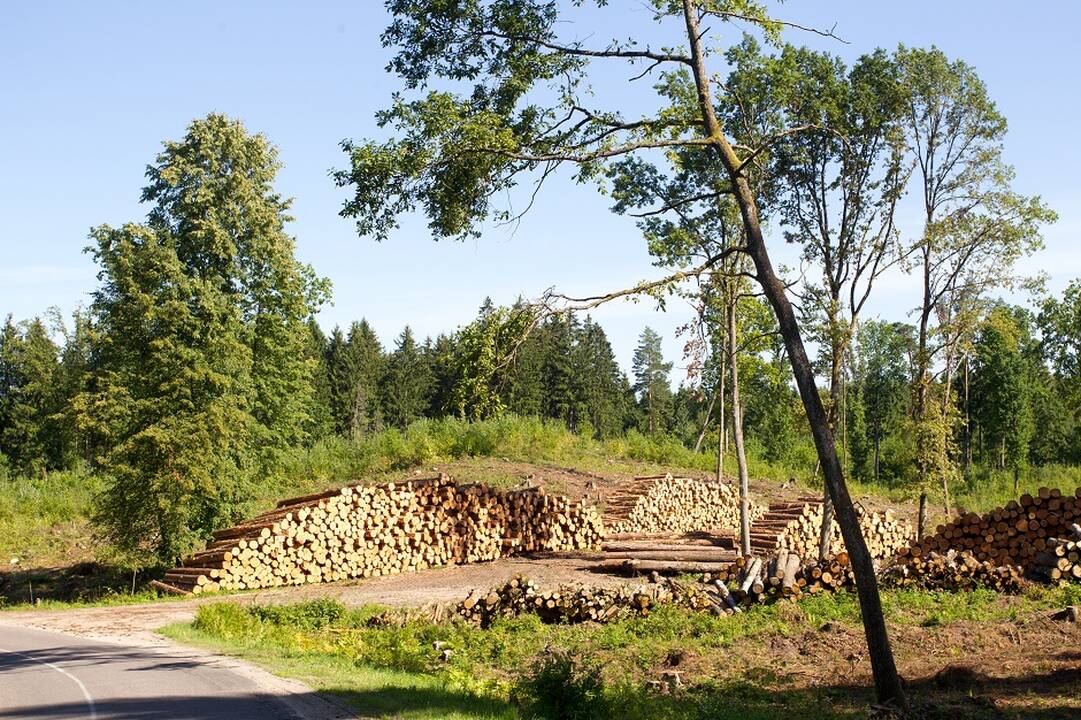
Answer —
560 687
313 615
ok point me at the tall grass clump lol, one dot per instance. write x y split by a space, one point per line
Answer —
31 508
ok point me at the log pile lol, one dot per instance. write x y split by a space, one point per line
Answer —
953 571
1017 533
1060 563
369 530
767 529
672 504
884 533
783 576
520 596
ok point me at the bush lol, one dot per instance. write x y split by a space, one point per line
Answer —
313 615
227 621
560 687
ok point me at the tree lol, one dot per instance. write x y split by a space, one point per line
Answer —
651 380
30 400
975 226
201 374
559 373
213 191
321 414
1001 391
838 182
357 363
408 382
522 116
480 361
884 351
1059 322
603 385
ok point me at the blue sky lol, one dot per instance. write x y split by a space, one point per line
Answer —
88 91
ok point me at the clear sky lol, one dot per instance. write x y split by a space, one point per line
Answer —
88 91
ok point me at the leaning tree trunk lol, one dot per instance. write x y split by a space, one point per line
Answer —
737 434
887 683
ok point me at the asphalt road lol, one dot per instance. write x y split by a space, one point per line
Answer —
48 675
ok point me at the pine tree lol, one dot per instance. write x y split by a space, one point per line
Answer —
407 385
603 385
356 364
651 380
560 373
29 398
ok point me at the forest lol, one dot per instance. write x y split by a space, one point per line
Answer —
198 372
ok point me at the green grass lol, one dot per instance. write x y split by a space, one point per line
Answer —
372 657
46 519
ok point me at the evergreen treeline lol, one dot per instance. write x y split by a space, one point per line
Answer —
564 370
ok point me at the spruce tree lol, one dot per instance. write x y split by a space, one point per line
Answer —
357 364
320 414
201 373
602 383
651 380
407 384
441 357
29 397
560 373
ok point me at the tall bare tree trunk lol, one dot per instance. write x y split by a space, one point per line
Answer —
968 424
720 421
705 423
737 433
887 683
825 530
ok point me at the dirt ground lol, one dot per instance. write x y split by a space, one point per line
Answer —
434 586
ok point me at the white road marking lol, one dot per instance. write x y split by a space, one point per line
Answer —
65 673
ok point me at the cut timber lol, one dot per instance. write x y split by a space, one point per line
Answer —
672 504
168 589
661 566
370 530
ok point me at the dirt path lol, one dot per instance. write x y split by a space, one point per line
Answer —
438 585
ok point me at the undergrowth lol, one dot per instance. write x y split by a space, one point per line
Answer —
521 667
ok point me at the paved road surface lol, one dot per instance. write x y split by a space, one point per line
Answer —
48 675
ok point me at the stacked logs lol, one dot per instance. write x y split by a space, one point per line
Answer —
369 530
671 504
783 576
953 571
884 533
1016 534
666 553
1060 563
521 596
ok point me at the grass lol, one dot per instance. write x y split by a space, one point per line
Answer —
377 659
46 517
